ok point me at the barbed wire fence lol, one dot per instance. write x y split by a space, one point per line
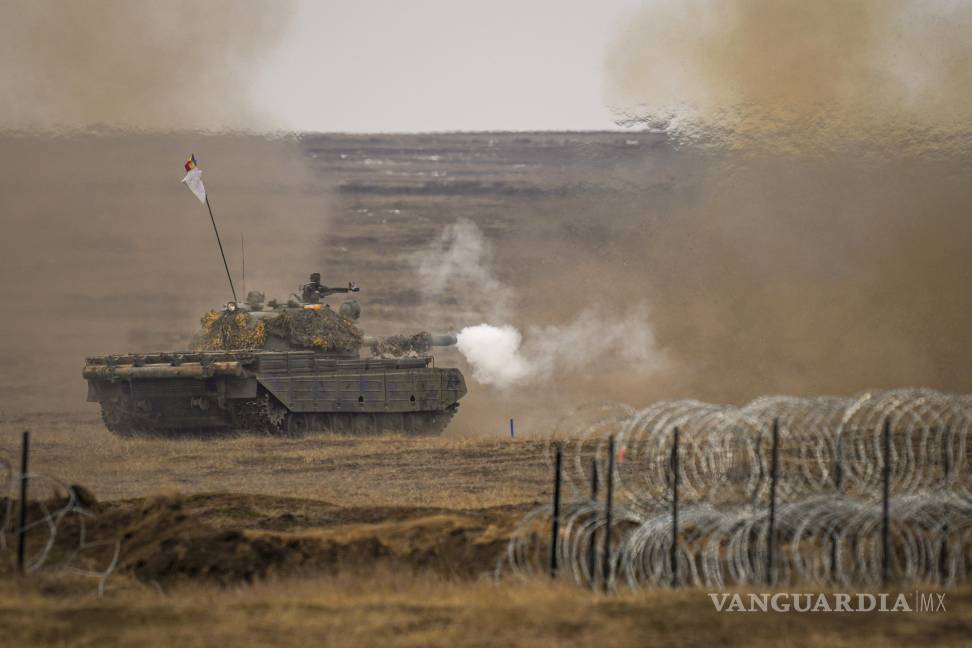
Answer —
49 533
867 489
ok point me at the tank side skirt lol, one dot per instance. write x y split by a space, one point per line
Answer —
414 390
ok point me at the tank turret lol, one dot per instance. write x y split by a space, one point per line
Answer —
302 325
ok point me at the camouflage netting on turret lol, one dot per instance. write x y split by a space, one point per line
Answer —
322 330
229 330
397 346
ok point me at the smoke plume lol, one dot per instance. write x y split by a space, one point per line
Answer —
459 265
500 357
494 353
177 64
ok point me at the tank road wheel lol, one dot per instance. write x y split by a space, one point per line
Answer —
339 423
429 423
268 415
365 424
299 424
263 414
249 415
127 418
278 416
411 423
315 422
115 419
392 423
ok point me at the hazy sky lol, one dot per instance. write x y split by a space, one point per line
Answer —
420 65
380 65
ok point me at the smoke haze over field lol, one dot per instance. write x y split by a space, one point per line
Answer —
459 266
820 242
172 65
804 77
102 247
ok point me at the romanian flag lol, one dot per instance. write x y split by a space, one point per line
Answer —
193 179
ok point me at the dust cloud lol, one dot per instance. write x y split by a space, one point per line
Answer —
459 264
119 65
801 77
814 230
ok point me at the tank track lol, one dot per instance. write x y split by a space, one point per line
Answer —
264 415
123 420
364 424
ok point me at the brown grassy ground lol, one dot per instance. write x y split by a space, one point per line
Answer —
394 608
453 472
392 541
231 539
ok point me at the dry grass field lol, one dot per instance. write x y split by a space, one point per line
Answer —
447 471
350 542
402 609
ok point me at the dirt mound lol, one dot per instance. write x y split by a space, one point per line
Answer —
228 539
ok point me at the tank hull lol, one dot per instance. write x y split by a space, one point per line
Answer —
287 392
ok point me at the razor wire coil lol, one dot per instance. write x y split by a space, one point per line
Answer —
57 512
828 524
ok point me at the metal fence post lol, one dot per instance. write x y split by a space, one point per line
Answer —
22 530
886 508
676 478
947 452
555 524
947 469
774 476
592 548
608 513
839 487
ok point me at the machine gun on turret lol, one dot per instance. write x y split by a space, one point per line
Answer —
315 291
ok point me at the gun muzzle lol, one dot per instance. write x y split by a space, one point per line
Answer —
444 340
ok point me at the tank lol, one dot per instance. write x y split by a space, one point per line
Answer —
287 369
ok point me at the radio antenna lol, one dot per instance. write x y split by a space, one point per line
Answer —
243 256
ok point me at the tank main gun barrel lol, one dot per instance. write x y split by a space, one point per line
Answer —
396 346
440 340
444 340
